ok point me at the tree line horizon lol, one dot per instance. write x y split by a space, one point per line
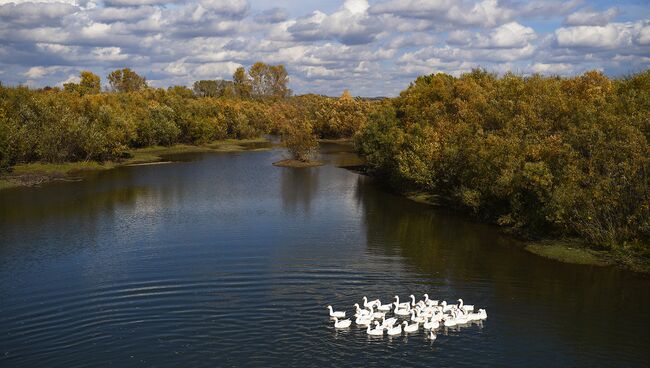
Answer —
539 155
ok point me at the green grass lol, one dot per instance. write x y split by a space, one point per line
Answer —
570 252
59 168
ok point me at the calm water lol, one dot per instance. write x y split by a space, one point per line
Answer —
226 260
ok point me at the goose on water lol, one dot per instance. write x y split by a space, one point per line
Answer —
342 323
335 314
397 330
363 320
466 308
378 331
401 305
410 328
360 312
449 321
432 335
389 322
416 318
431 324
368 304
429 302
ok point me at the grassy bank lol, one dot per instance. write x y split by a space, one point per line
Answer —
37 173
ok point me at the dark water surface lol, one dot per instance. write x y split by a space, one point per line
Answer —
227 260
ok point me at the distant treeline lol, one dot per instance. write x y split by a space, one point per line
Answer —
547 156
80 122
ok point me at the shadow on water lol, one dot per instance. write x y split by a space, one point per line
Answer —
523 292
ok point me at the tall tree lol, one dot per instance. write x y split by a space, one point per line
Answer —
126 80
242 82
269 80
89 83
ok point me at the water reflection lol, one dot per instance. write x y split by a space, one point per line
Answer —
298 186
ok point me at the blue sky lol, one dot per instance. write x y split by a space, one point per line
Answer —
373 48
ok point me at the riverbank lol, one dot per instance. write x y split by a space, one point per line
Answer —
37 173
573 251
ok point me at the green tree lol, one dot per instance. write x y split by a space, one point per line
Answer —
126 80
242 83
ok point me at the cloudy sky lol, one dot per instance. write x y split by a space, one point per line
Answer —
372 47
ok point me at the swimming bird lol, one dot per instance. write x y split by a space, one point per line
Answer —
388 322
432 336
410 328
401 305
429 302
363 320
431 324
335 314
360 312
402 311
466 308
397 330
384 307
342 323
368 304
378 331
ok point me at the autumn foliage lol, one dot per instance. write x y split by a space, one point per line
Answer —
540 155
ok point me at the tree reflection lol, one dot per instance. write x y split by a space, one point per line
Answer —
298 186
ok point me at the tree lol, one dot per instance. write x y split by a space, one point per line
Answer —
89 83
241 83
214 88
269 80
126 80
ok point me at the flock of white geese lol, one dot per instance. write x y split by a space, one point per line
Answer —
430 314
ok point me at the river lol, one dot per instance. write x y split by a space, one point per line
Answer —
226 260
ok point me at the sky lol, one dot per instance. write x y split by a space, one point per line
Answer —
372 48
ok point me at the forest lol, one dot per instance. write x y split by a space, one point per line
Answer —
540 156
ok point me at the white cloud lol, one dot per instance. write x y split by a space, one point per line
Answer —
553 69
609 36
511 35
591 18
374 47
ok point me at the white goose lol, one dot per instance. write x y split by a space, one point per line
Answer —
431 324
417 318
402 312
397 330
432 336
388 322
363 320
360 312
449 321
384 307
429 302
378 331
412 300
410 328
482 314
376 315
335 314
342 323
466 308
401 305
368 304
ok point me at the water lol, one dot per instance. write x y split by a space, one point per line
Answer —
225 260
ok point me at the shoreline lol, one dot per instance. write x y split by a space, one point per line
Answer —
565 250
38 173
